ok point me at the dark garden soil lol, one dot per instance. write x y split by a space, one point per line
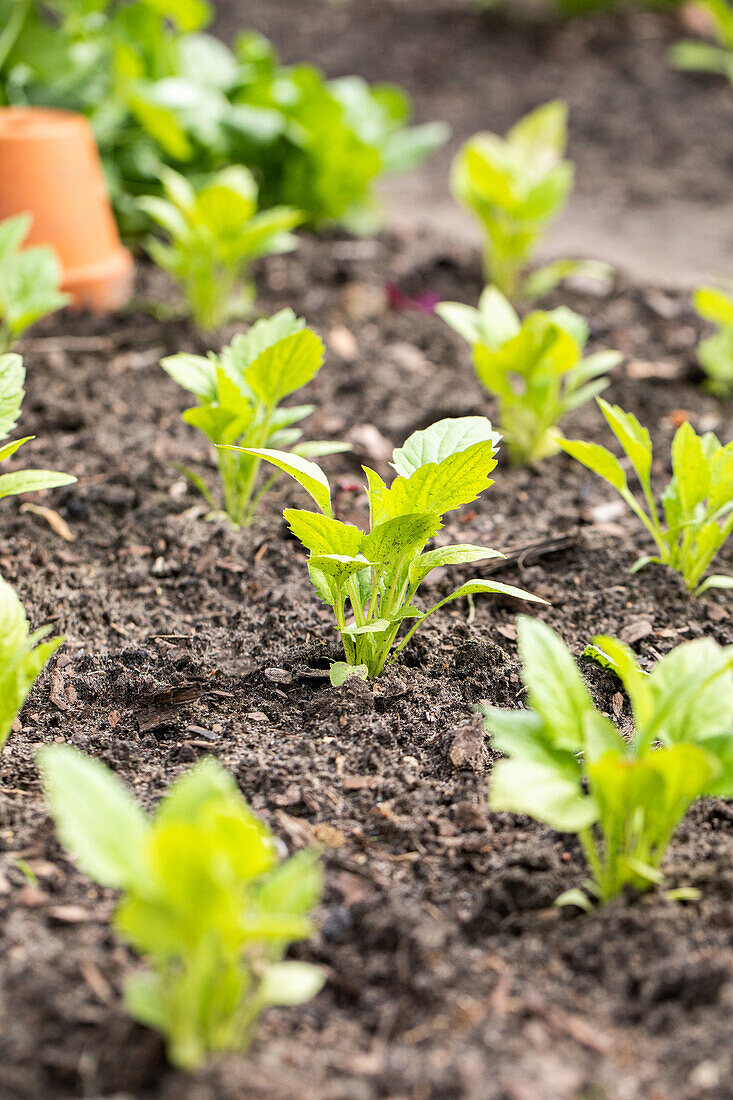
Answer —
450 974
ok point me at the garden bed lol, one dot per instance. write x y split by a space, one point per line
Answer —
450 974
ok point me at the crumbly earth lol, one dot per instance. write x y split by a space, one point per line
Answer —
449 972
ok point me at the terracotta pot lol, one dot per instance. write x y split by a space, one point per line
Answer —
50 167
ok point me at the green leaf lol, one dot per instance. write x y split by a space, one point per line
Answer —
715 580
32 481
525 787
377 626
194 373
442 440
285 366
12 379
97 819
338 566
555 687
545 128
449 555
465 320
13 231
406 535
290 983
306 473
574 897
690 467
341 672
634 439
692 690
441 487
322 534
293 886
713 305
597 459
622 660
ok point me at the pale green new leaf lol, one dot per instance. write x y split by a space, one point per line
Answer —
556 689
285 366
634 439
306 473
32 481
442 440
524 787
98 820
322 534
597 459
449 555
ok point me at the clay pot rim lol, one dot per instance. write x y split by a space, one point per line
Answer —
27 123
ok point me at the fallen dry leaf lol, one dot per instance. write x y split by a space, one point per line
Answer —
57 524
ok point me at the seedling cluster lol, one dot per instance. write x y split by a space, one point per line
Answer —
377 574
223 153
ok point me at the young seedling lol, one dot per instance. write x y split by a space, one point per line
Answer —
205 899
12 378
239 394
214 235
22 657
697 504
535 368
570 767
515 186
29 281
715 353
378 573
704 57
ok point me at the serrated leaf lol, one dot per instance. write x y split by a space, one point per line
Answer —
338 566
285 366
449 555
441 487
307 474
442 440
322 534
405 535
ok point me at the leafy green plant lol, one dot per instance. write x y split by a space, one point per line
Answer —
214 235
715 353
591 7
378 573
515 186
12 379
206 899
535 368
697 504
158 92
22 657
29 281
570 767
239 395
705 57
